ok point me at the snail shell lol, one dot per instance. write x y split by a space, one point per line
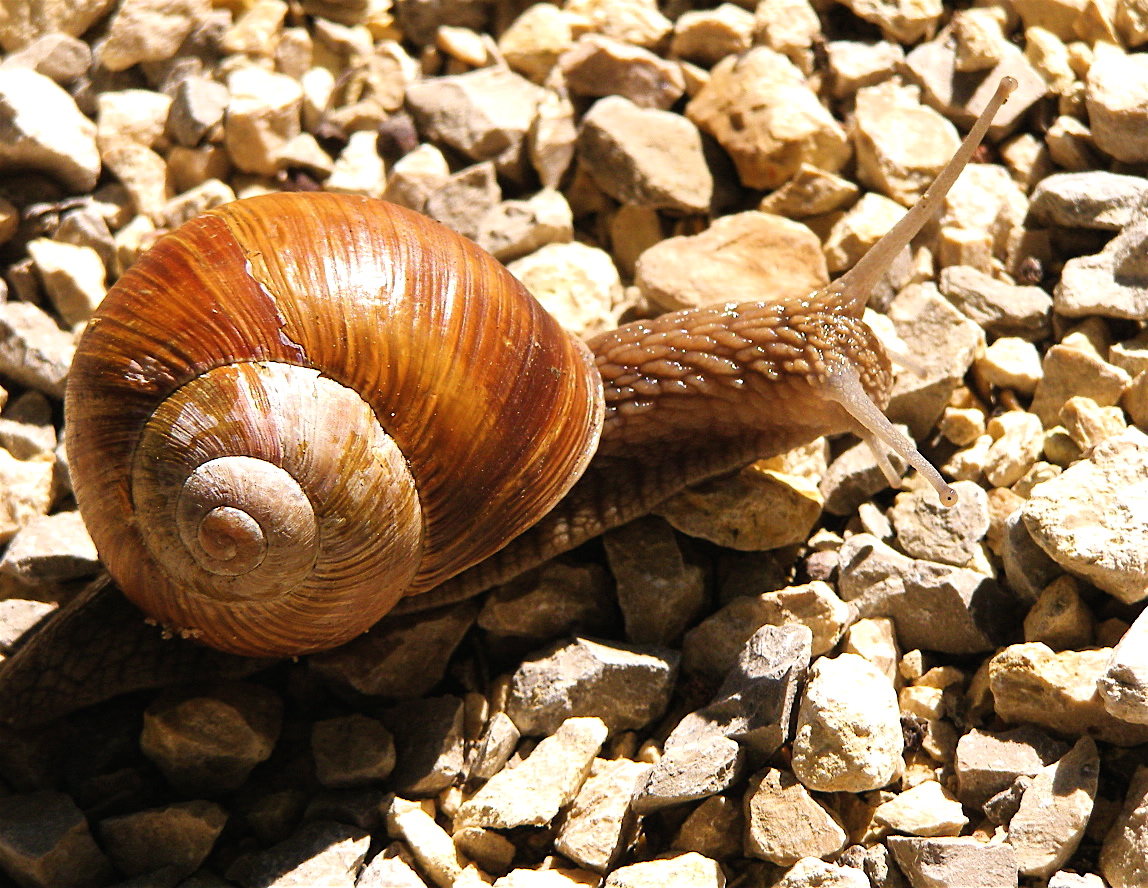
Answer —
292 410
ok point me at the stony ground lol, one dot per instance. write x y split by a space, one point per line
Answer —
793 677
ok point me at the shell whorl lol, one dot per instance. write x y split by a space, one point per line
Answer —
290 412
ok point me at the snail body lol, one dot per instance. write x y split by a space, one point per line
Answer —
419 364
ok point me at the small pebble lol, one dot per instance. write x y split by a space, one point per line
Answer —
484 113
577 283
756 509
623 147
1058 690
1054 811
179 836
1099 542
1117 99
758 698
861 226
1069 371
928 530
319 853
1094 199
689 870
659 592
1018 439
598 66
943 341
26 490
954 860
149 31
928 809
557 600
19 616
429 744
632 21
51 547
1010 363
626 686
515 228
465 198
811 192
1124 855
1060 618
430 844
490 850
495 747
714 829
901 144
854 65
352 750
854 476
760 110
537 38
876 641
784 823
73 277
207 741
1108 283
388 870
935 607
706 36
1003 309
933 64
1124 684
57 55
737 258
45 842
902 22
41 129
33 350
848 736
594 828
402 657
545 782
357 170
690 771
416 176
812 872
714 645
262 116
197 107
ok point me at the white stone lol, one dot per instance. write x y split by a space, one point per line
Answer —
358 169
689 870
595 822
1124 684
72 275
928 809
533 793
1054 811
848 728
1093 517
1124 855
429 842
262 116
813 872
576 283
25 490
42 129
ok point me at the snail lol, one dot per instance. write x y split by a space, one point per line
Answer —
298 411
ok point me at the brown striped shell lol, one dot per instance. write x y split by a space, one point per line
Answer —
292 411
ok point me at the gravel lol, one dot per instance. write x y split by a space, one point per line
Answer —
801 677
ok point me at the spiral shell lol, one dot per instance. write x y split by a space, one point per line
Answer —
296 409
